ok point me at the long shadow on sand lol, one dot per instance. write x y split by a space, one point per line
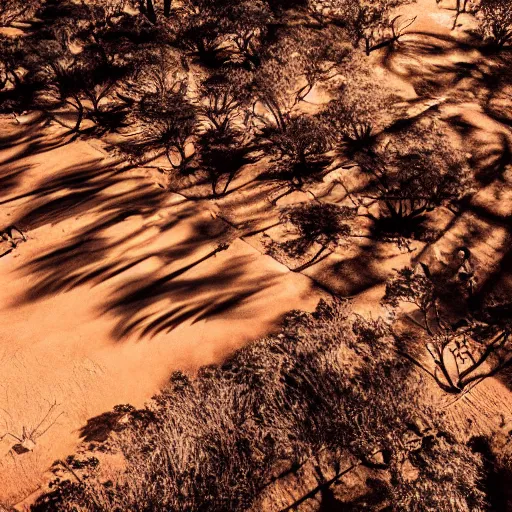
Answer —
132 230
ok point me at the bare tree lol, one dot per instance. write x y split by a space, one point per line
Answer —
246 23
169 121
224 98
463 352
29 435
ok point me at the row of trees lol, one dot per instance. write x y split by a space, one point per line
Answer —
316 398
204 26
402 178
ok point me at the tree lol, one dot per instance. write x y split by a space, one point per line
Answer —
363 20
221 155
300 149
101 71
465 351
79 58
101 14
412 172
224 98
496 22
413 287
289 71
459 9
246 23
63 75
316 224
169 121
157 70
280 82
274 90
11 55
72 78
167 8
151 8
323 56
362 107
449 476
201 29
147 8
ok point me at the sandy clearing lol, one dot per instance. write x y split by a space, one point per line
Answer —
67 339
63 299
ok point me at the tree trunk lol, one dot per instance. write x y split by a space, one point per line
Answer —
151 14
228 182
167 8
80 108
367 46
95 104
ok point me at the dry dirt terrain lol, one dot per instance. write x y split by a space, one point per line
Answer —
86 298
114 281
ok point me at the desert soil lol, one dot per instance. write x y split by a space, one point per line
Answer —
120 282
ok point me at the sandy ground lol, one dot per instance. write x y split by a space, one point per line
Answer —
72 294
120 282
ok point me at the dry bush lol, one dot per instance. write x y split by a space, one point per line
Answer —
327 382
496 22
324 226
16 10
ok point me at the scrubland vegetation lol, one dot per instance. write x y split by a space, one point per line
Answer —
202 89
328 383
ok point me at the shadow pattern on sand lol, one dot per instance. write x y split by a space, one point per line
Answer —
133 225
172 288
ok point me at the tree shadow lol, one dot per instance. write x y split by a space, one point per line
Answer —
183 298
490 158
31 139
355 274
121 237
416 60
